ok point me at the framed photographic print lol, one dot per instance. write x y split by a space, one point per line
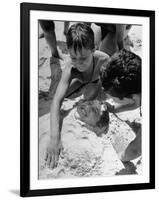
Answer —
87 99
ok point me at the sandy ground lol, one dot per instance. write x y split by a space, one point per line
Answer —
86 154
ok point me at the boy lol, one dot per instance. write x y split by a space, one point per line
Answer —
121 77
83 68
123 73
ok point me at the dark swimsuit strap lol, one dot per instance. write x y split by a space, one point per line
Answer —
95 81
84 84
92 72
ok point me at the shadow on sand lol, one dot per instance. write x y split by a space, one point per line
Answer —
15 192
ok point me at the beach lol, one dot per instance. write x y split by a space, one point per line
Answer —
87 154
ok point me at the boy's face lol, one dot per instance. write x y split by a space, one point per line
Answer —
90 112
81 60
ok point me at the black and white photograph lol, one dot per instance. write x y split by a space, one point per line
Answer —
88 92
90 112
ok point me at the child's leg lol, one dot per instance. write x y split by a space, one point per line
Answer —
66 26
49 34
109 44
97 35
114 39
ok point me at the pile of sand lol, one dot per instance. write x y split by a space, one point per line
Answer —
84 153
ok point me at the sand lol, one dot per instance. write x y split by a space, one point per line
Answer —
87 154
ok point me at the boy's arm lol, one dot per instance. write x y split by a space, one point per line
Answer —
54 145
133 104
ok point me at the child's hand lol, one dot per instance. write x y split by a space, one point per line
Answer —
52 154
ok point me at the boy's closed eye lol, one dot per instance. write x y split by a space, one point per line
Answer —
80 59
83 58
73 59
84 112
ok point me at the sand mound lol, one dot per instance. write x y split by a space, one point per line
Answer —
84 153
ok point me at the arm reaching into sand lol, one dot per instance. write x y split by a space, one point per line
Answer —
54 145
134 103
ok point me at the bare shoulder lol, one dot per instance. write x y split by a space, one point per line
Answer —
66 73
101 59
99 55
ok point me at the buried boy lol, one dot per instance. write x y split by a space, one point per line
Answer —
83 67
95 115
96 118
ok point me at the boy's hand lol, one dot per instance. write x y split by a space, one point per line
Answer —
52 154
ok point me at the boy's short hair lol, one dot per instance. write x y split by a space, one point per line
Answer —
80 35
100 121
122 72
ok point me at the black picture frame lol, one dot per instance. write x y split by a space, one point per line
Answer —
25 9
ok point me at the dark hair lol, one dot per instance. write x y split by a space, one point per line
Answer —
102 126
122 72
104 119
80 35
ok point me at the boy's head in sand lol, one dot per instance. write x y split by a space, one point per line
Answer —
95 114
80 43
122 73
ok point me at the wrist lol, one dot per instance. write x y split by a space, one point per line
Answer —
54 139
